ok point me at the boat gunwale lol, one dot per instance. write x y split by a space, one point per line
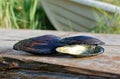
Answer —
98 4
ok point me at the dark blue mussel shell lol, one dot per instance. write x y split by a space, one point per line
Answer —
81 40
45 44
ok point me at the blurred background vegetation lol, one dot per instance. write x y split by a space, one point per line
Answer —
26 14
113 22
23 14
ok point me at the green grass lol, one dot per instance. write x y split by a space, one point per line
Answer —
23 14
108 23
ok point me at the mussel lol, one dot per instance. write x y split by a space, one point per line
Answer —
78 46
42 45
81 46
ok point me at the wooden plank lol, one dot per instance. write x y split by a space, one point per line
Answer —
15 35
106 64
28 74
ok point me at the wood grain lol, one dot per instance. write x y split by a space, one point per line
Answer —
106 64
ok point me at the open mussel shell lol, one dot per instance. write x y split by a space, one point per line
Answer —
42 45
81 46
80 50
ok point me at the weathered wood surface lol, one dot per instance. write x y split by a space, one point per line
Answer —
104 65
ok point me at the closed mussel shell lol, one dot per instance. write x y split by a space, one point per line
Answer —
42 45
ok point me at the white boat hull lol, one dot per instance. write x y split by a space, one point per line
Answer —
75 15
